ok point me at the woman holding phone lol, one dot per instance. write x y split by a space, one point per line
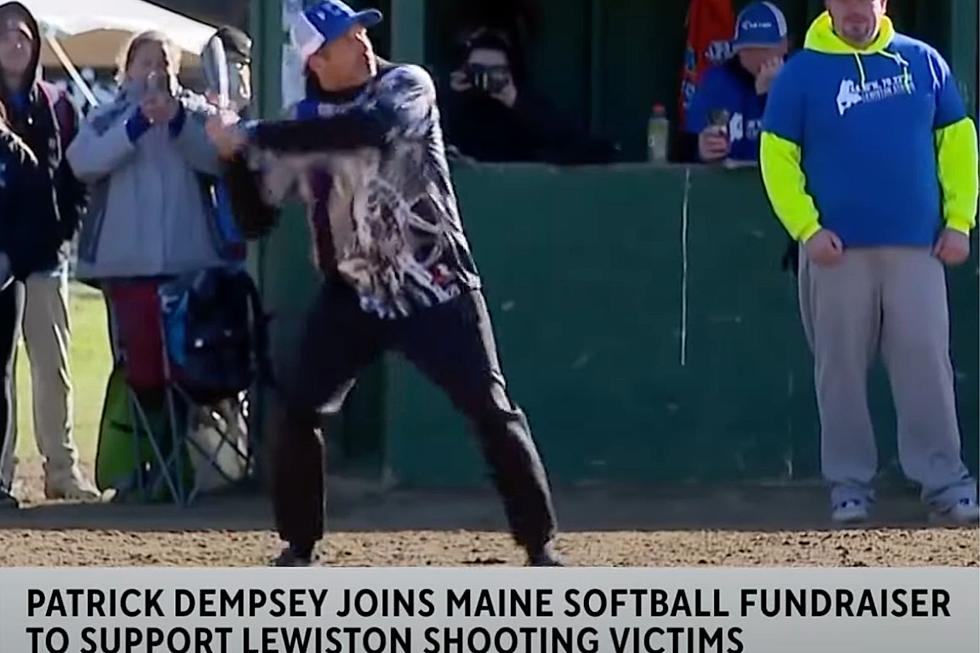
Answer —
144 156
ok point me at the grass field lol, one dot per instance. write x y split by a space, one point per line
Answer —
91 363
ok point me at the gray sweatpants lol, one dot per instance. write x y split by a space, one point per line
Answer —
891 301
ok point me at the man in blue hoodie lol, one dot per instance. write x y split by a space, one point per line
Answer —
870 161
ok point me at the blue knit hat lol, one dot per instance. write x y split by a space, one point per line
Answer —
327 21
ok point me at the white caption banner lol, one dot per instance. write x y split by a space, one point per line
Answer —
462 610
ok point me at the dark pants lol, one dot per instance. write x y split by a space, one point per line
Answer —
453 345
11 314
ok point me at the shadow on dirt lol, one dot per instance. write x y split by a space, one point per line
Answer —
354 506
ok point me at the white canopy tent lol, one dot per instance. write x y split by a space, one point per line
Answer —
92 32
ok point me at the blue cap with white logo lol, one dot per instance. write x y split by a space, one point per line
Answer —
760 24
327 21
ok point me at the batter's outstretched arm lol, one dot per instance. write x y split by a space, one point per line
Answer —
348 131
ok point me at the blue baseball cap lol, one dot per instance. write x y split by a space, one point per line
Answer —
759 25
327 21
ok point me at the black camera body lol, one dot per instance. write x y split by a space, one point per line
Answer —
489 79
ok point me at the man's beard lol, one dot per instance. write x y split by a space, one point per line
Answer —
859 34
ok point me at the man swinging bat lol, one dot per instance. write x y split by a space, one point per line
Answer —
365 150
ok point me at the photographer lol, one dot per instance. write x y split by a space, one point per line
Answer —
237 48
490 119
726 112
146 156
231 49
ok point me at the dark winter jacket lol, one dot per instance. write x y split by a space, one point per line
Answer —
22 180
483 128
44 118
371 167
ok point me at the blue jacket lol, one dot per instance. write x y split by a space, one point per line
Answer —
152 212
873 144
732 88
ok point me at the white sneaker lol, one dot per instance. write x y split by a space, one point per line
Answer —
963 512
850 511
72 489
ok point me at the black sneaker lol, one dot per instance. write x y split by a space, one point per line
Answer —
294 556
546 556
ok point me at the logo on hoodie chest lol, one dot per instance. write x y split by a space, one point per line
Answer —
852 94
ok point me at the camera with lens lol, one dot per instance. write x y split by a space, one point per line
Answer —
489 79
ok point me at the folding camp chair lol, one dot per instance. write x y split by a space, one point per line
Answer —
155 468
216 437
176 439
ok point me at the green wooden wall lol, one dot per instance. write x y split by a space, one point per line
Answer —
585 278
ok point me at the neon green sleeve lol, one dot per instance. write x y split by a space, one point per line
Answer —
782 174
956 150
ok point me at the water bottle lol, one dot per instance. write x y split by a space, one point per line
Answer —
658 130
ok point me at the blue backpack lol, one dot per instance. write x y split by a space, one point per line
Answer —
216 332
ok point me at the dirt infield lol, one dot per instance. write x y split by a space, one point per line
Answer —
601 527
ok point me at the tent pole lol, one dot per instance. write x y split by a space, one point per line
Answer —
70 68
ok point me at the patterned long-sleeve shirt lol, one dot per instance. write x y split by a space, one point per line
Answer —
371 166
